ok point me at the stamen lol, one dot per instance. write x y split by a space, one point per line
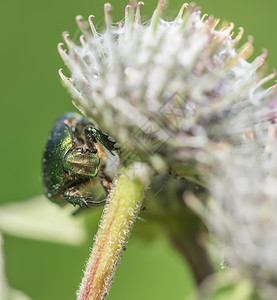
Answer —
107 11
82 40
259 60
190 9
66 38
120 25
209 21
63 77
157 15
127 10
214 24
262 82
204 17
231 27
181 11
274 86
137 17
247 49
244 52
95 35
161 5
268 78
139 5
262 58
238 37
228 28
225 26
62 52
132 3
92 27
79 19
155 19
129 14
81 25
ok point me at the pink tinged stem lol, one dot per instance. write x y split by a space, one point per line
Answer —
127 10
137 16
120 213
107 12
62 52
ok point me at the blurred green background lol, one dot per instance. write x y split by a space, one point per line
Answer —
32 98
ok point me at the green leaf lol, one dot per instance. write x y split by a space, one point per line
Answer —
39 219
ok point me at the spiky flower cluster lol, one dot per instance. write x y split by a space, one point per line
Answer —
242 210
172 88
180 93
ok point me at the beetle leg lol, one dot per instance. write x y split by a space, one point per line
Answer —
86 204
103 138
77 200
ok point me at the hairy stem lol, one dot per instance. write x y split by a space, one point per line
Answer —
118 217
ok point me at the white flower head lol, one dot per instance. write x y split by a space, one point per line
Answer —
168 88
241 212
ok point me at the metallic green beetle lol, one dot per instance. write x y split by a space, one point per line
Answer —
76 166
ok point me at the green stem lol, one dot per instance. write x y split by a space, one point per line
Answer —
119 214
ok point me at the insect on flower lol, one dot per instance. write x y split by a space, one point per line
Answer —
77 162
